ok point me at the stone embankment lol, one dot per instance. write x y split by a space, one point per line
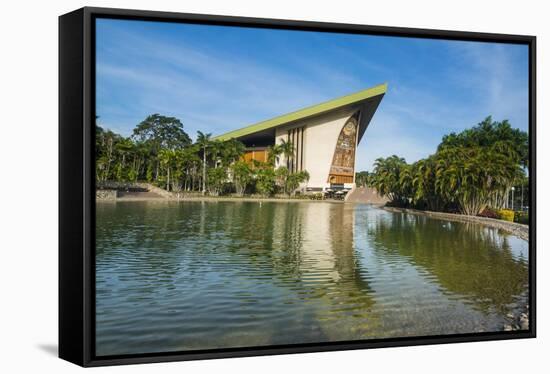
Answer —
113 191
518 320
148 192
106 194
517 229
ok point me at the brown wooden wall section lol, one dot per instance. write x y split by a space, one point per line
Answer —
255 154
338 179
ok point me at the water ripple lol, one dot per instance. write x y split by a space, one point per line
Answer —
196 275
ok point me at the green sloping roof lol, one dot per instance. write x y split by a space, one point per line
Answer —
306 112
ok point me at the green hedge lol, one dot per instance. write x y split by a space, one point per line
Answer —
522 217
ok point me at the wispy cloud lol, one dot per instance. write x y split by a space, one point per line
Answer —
480 79
496 76
211 90
217 83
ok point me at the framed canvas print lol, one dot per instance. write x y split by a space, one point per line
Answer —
237 186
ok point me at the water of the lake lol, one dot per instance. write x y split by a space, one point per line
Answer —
198 275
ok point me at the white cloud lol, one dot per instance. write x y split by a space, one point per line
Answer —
412 119
208 89
226 92
497 76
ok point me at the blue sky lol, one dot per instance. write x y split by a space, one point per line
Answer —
216 79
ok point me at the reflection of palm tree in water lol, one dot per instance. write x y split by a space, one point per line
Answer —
468 260
319 271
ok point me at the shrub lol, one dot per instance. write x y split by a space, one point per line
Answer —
316 196
489 213
242 176
506 215
216 179
265 181
294 179
522 217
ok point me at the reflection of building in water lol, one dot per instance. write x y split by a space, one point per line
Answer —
333 268
317 253
316 239
324 138
342 227
328 244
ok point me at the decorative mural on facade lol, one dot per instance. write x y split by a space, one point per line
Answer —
343 161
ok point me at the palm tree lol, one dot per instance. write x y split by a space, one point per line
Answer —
405 183
423 183
204 140
109 139
124 147
294 179
242 176
231 151
287 150
473 176
273 153
281 177
166 158
216 152
362 178
386 178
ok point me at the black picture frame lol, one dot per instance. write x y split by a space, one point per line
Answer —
77 184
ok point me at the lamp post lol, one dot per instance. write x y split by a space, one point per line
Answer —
513 198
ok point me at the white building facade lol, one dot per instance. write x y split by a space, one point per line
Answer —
324 138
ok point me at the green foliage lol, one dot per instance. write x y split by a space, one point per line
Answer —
281 178
229 151
506 215
288 182
391 177
167 158
216 180
521 217
160 152
362 179
474 176
204 142
287 150
137 157
470 170
294 179
149 174
132 176
316 196
242 176
489 133
158 132
265 181
273 153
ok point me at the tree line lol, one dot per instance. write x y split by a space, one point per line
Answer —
160 152
469 172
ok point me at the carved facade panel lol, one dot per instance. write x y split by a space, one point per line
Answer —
343 161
